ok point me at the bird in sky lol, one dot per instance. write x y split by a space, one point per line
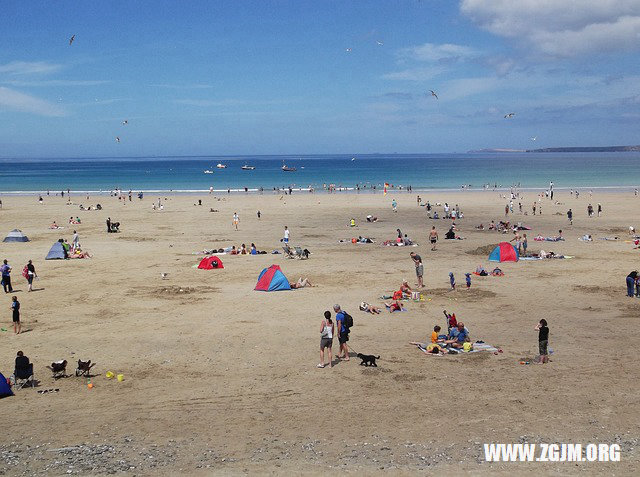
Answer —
118 139
348 50
71 39
126 121
433 93
509 116
533 138
379 42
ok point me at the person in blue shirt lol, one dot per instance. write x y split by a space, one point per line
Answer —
6 277
458 336
343 333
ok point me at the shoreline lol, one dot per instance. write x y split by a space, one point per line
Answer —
351 190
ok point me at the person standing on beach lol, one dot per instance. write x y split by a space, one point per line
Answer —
543 341
31 274
534 207
525 244
15 308
343 333
631 280
6 277
516 238
108 224
599 209
394 205
326 339
433 237
236 219
417 261
259 214
570 216
285 239
76 240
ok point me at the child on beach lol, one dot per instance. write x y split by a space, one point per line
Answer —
543 341
524 244
452 322
452 281
467 277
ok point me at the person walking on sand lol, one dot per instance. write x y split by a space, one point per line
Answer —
15 308
417 261
6 277
543 341
343 333
570 216
236 219
394 205
76 240
31 274
285 239
599 209
259 215
326 339
433 237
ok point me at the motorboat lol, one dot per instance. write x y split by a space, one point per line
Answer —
286 168
221 166
248 168
208 171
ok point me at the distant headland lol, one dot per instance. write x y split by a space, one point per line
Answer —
565 149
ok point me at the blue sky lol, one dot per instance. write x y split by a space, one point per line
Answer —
305 77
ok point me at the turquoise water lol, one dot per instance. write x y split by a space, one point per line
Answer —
421 171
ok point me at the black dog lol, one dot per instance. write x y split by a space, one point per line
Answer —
368 359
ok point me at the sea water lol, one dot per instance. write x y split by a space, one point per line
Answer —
421 171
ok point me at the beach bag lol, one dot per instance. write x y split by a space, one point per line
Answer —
25 272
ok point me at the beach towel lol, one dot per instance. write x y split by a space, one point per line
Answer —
477 348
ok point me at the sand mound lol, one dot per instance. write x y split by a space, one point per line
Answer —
484 250
171 292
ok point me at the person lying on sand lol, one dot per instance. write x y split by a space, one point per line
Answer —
301 283
54 225
481 271
374 310
394 306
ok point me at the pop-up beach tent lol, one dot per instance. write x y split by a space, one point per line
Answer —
272 279
5 389
504 252
56 252
209 263
16 236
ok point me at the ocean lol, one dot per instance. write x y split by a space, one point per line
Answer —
421 171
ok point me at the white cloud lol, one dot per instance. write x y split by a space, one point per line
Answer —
56 83
14 100
415 74
29 67
561 27
433 52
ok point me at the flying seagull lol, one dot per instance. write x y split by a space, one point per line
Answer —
348 50
433 93
510 115
533 138
118 139
379 42
71 39
126 121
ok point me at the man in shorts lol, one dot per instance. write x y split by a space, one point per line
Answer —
433 237
343 333
417 260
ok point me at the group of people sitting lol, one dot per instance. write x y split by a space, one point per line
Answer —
73 250
457 337
75 221
90 207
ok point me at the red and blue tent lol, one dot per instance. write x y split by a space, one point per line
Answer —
504 252
5 389
272 279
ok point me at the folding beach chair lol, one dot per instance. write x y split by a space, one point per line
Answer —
287 251
84 368
302 254
23 376
59 369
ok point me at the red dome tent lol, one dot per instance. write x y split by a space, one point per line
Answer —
504 252
209 263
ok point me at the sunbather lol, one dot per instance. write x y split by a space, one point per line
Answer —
301 283
374 310
481 271
394 306
405 288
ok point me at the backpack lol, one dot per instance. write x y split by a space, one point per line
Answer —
348 319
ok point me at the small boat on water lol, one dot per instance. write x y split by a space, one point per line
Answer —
285 168
221 166
247 167
208 171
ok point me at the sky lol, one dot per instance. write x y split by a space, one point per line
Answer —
316 77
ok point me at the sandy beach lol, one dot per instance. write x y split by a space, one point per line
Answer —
221 379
